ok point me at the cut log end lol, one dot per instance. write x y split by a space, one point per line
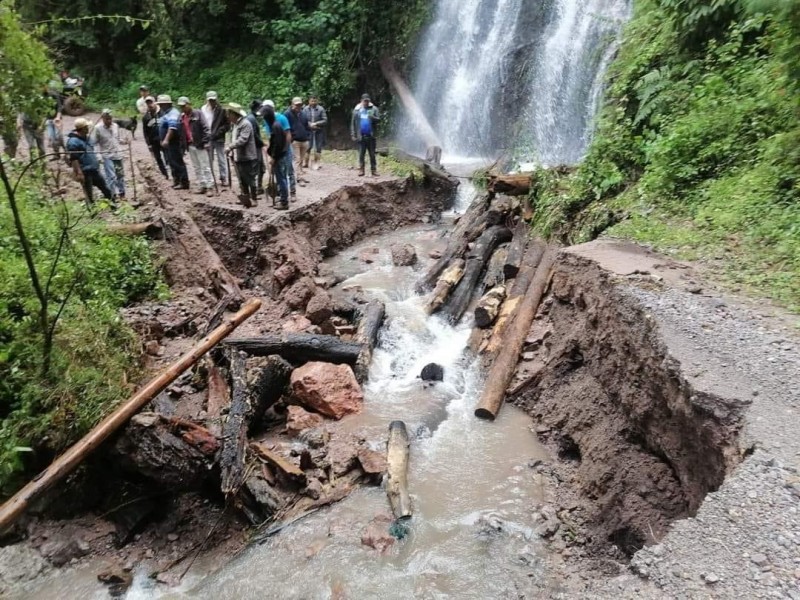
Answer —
485 413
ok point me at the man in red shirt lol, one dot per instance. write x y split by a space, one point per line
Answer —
196 138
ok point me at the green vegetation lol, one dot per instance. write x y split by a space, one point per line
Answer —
276 49
698 146
66 355
386 164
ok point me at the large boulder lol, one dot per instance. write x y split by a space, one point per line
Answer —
329 389
298 420
403 255
432 372
319 308
297 295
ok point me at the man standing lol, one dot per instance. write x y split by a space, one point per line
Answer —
363 130
196 138
278 152
317 119
291 182
152 136
106 140
33 135
218 126
141 101
256 122
298 121
246 157
170 135
84 163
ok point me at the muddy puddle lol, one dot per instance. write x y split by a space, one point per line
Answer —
473 493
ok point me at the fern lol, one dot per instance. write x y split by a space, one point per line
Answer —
649 90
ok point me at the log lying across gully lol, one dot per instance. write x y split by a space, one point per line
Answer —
504 365
369 324
300 347
476 261
516 251
234 431
397 460
68 461
514 184
446 283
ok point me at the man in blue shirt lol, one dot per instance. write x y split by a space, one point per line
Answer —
363 130
170 133
85 166
291 181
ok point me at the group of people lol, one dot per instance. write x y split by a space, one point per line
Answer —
260 141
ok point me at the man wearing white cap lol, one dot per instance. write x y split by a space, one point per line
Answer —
196 139
218 126
106 139
170 133
243 143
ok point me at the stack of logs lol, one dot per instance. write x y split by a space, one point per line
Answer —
246 380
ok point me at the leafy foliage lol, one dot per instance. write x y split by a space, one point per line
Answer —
697 146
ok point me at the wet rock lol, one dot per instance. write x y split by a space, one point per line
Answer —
297 295
298 420
403 255
285 273
369 255
152 347
117 579
313 489
490 525
377 534
60 551
18 563
435 254
372 462
296 324
432 372
315 438
331 390
319 308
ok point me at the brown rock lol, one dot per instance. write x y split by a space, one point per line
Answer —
152 347
435 254
285 273
296 324
372 462
299 293
377 534
369 255
117 579
403 255
319 308
331 390
298 420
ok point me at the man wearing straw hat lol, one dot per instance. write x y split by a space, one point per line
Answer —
170 133
85 165
246 153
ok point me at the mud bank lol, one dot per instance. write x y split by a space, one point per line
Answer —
647 430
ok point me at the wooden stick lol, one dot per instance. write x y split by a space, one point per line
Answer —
67 462
397 459
503 368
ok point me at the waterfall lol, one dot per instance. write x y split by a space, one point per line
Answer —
514 75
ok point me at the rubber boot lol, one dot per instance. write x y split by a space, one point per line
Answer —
361 171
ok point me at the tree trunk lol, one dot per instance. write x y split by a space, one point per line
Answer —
152 229
468 228
234 430
300 347
494 270
271 384
506 362
515 184
476 261
218 398
67 462
519 287
447 282
397 459
516 251
489 306
369 324
501 209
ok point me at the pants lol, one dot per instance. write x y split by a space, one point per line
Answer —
280 169
176 165
91 180
54 135
317 141
35 141
301 150
158 154
291 180
114 175
248 175
218 148
367 144
202 167
262 168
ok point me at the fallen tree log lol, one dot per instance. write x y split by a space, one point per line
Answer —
300 347
506 362
218 397
476 261
516 250
514 184
369 324
494 270
234 430
469 228
151 229
533 255
289 471
397 460
271 383
67 462
489 306
446 283
501 209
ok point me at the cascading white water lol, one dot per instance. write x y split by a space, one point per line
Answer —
515 75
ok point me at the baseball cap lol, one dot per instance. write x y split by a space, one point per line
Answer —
105 111
143 88
297 100
211 95
365 96
149 99
269 103
183 101
81 123
164 99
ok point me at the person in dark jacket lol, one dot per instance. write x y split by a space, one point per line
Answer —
150 125
255 120
363 130
169 130
195 138
278 152
85 166
301 133
218 126
317 119
246 155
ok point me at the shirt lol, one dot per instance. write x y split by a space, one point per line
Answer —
141 105
170 120
107 140
187 128
208 114
365 121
